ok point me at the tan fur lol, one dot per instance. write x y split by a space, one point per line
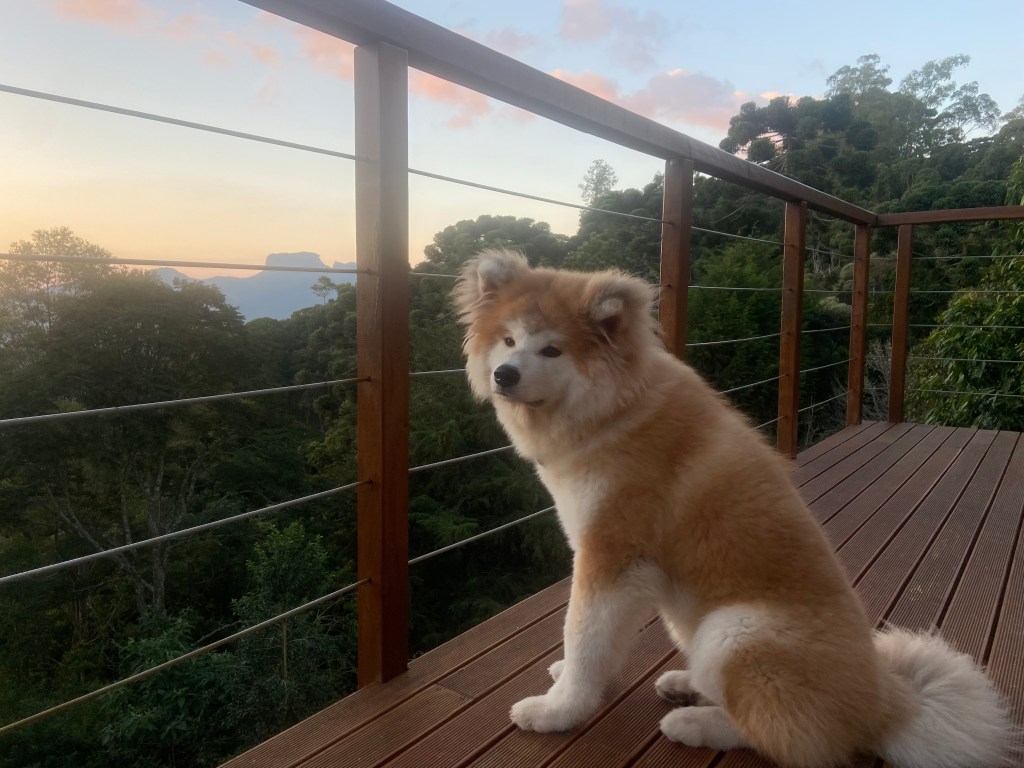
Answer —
691 507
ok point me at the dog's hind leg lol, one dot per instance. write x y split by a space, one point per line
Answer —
676 686
600 626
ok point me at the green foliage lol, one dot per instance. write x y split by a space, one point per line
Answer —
968 371
165 719
297 666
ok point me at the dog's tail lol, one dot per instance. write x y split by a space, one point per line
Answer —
945 712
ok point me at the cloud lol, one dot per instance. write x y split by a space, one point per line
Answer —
597 84
509 40
469 105
328 54
124 15
677 96
632 36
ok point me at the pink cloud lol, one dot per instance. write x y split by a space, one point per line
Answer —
687 97
509 41
678 97
183 27
599 85
265 54
328 54
469 105
125 15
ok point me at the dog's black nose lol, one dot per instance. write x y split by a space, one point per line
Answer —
506 375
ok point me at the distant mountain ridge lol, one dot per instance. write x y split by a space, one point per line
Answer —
270 293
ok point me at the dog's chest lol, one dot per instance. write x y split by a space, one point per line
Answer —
577 499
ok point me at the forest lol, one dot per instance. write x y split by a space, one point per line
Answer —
83 335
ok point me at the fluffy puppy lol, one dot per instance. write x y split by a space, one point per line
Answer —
670 500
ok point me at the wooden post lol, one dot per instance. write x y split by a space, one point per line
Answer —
677 213
858 325
900 319
382 331
791 324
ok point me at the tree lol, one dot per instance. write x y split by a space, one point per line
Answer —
598 181
868 75
957 109
110 480
289 670
456 244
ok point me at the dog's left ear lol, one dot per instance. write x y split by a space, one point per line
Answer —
482 276
617 303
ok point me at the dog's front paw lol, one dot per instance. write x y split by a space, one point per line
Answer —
543 715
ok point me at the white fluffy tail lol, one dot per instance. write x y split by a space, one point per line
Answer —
957 719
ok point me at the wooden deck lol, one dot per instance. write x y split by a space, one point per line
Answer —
926 521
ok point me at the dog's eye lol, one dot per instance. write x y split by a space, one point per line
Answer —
509 341
551 351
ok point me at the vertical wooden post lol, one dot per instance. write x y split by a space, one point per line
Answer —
677 213
382 331
900 319
858 325
791 324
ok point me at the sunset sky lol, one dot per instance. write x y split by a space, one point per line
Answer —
146 190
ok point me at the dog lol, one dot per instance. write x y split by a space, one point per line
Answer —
671 501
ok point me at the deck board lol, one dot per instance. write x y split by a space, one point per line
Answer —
927 521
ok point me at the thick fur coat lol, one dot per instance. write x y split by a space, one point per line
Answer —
670 500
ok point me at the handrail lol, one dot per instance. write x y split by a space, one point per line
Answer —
438 51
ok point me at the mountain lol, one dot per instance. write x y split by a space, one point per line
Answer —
270 293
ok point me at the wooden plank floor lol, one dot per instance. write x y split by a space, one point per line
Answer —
926 521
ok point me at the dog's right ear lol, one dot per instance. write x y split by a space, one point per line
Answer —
482 276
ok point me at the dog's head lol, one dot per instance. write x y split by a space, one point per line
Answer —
542 340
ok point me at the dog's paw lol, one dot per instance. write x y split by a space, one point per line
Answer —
555 670
541 714
701 727
675 686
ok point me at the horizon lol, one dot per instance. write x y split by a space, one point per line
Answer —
146 190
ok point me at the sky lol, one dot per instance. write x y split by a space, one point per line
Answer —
148 190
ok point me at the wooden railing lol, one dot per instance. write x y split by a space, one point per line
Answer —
389 41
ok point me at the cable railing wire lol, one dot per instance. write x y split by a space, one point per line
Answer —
181 659
748 386
501 190
970 327
962 392
118 409
459 459
732 341
733 288
768 423
94 105
735 236
955 359
115 261
826 330
812 406
477 537
53 567
444 372
829 365
172 121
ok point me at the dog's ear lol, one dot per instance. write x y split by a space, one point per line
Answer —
617 303
482 276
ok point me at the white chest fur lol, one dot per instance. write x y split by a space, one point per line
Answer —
577 498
